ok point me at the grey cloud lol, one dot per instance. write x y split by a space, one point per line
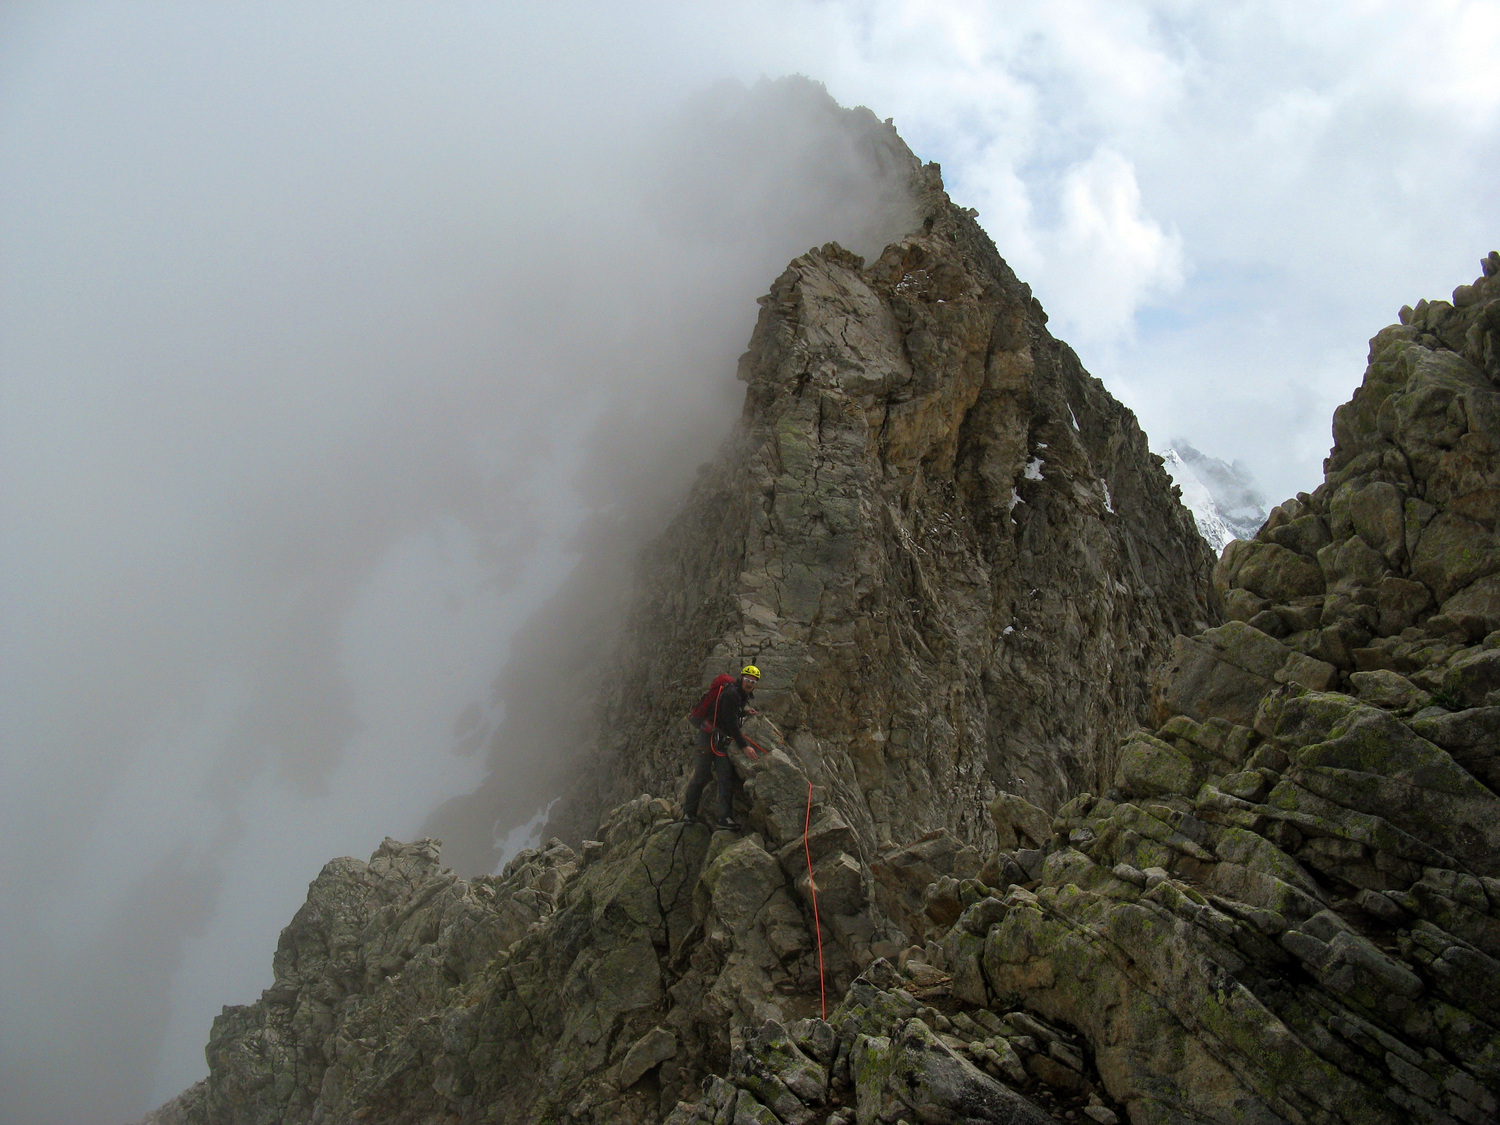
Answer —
285 298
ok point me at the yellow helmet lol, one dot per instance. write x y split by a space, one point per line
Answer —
750 670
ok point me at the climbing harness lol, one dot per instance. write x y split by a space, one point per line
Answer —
813 886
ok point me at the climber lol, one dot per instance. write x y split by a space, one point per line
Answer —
717 718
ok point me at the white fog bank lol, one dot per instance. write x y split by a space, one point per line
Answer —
322 342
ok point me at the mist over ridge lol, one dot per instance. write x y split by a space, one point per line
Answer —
292 443
304 476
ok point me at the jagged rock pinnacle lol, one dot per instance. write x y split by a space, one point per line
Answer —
947 545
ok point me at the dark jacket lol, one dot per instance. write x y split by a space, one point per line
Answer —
729 712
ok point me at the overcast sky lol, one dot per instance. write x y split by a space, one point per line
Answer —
324 328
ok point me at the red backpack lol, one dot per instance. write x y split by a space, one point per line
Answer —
702 714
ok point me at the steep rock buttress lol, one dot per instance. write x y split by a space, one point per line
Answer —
946 545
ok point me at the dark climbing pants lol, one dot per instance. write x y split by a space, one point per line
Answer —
723 774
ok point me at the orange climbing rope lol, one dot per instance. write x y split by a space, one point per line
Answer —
812 883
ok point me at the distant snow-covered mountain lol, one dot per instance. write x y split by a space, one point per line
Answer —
1221 496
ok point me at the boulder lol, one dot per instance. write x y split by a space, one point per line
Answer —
903 875
1351 564
1454 553
1480 599
1387 689
655 1047
1376 512
1150 767
1368 761
1472 678
1226 672
1401 603
1305 535
914 1072
1018 823
1472 737
1199 683
773 1069
840 885
1268 570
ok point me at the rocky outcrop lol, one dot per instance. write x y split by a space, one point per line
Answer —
662 973
362 973
1392 563
1286 907
946 545
904 1048
598 985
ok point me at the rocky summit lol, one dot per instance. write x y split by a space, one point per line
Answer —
947 546
1056 820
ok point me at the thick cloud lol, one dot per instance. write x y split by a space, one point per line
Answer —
324 344
331 337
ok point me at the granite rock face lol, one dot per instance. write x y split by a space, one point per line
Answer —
946 545
1286 905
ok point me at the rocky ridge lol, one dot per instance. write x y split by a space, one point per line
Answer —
949 549
1284 905
648 960
932 526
